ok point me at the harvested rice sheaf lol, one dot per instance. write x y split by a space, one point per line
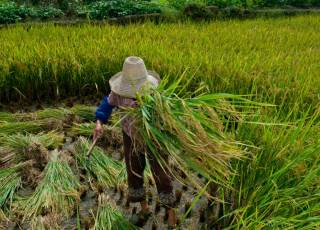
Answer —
112 136
8 128
110 218
107 171
188 128
85 113
29 147
57 192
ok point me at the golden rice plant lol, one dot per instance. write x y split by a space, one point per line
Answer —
57 193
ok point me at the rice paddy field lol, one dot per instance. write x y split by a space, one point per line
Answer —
52 77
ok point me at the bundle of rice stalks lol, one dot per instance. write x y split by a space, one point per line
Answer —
57 192
85 113
111 135
10 181
6 117
110 218
19 142
31 146
99 165
47 113
8 128
188 128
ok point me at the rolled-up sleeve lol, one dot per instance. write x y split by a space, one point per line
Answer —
104 111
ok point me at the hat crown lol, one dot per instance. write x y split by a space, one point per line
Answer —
134 69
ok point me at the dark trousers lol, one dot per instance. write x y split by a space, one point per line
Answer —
136 163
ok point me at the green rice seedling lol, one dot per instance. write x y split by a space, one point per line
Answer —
10 180
57 192
99 165
85 113
110 218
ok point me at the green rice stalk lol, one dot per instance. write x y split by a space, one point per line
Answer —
107 171
110 218
10 181
56 193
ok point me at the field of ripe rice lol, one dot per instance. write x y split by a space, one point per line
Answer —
275 61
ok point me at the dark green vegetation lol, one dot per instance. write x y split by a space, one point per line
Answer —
17 11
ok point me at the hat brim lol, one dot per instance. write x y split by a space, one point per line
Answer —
118 86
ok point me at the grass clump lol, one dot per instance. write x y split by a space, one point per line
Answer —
107 171
57 192
110 218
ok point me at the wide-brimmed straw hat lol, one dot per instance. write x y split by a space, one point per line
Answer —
133 78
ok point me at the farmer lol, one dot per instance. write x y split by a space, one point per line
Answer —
124 87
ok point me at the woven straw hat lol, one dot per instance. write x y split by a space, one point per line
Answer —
133 78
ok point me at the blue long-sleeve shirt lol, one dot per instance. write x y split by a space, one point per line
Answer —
104 111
